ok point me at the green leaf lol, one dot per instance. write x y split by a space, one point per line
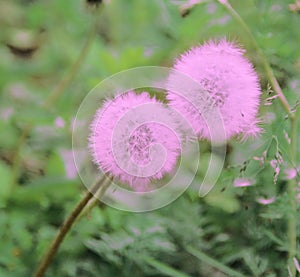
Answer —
225 201
55 165
55 187
8 135
212 262
164 268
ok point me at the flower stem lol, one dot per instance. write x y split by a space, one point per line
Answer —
100 185
50 101
63 84
94 201
66 226
292 225
270 74
292 236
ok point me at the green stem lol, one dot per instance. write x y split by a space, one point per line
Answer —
50 101
64 83
270 74
292 224
95 200
292 237
66 226
99 184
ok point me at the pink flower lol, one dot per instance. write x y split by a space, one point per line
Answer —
59 122
229 82
266 201
243 182
296 263
291 173
134 139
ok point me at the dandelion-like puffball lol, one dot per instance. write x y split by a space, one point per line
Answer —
134 139
229 83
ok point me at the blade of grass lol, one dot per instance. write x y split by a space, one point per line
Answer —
212 262
163 268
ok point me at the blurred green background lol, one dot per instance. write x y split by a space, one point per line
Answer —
40 44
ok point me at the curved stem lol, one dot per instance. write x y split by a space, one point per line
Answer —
292 227
292 224
272 79
63 84
50 100
66 226
95 200
72 218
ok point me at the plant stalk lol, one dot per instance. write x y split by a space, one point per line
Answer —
270 74
66 226
292 223
51 99
292 227
94 200
63 84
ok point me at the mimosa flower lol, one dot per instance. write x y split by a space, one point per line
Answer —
228 82
134 139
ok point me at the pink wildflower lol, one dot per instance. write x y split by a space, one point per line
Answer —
261 159
229 83
59 122
134 139
242 182
296 263
291 173
266 201
276 164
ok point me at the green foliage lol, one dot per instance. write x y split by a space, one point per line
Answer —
6 179
227 233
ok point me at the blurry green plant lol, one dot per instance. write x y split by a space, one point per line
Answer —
228 230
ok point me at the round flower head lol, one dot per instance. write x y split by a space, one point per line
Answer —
133 138
228 83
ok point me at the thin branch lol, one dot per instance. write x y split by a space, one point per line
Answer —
66 226
292 220
50 101
55 94
64 83
184 9
292 223
272 79
95 200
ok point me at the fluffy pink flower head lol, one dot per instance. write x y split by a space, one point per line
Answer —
134 139
228 82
